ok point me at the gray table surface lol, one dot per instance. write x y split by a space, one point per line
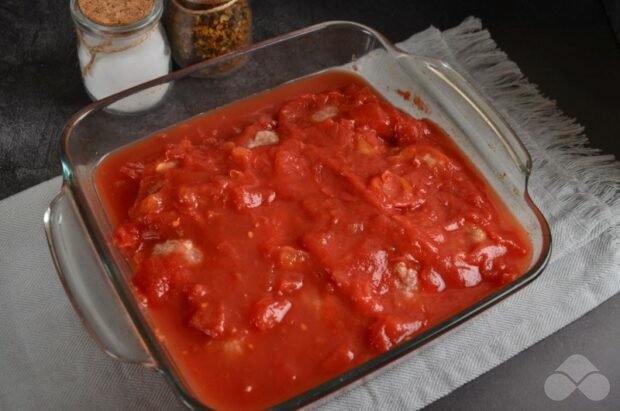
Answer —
566 47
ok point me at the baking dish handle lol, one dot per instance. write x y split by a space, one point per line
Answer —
87 286
473 109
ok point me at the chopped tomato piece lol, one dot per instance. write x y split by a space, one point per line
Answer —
209 320
269 312
127 237
391 330
290 258
290 283
372 116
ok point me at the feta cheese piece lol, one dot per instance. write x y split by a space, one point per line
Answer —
165 165
186 248
324 113
264 138
408 276
429 160
476 233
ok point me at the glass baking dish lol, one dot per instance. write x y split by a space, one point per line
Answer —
97 278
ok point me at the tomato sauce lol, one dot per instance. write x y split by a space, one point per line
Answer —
286 238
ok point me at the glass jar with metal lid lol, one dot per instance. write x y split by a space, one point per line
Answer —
203 29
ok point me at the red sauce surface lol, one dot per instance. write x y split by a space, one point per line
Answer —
286 238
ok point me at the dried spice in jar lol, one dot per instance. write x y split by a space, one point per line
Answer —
203 29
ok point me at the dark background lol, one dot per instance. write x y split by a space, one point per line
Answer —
569 48
565 46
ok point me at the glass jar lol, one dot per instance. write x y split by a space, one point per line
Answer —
203 29
118 54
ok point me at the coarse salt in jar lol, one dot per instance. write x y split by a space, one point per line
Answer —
121 43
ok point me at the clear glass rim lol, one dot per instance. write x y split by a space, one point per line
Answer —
349 376
85 23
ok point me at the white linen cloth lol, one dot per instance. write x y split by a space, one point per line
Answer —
48 361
